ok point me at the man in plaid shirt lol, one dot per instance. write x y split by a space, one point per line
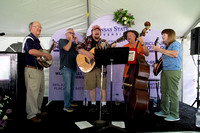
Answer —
92 79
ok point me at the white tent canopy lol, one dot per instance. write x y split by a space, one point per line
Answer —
54 15
180 15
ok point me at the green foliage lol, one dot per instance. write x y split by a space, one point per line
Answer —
124 18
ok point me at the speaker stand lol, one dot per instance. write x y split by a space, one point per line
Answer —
197 98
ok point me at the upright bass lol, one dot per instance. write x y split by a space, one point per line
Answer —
137 93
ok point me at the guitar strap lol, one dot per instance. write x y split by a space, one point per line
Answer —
137 44
167 47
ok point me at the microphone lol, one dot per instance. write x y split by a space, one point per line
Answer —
2 34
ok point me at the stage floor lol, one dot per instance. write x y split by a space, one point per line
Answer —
59 121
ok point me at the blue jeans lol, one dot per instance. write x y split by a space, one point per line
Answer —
68 76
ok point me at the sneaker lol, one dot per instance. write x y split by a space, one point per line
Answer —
68 109
161 114
170 118
74 104
104 110
93 108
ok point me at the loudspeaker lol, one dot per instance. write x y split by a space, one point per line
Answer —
195 41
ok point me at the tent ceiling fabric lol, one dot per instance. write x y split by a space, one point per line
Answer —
54 15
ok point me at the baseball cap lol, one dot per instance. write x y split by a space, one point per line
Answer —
96 27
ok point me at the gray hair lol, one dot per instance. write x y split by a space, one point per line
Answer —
69 29
29 26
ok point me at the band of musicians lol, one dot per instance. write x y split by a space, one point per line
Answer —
82 54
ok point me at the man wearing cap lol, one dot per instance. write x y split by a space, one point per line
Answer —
92 79
132 37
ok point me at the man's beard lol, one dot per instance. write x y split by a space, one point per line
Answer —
97 37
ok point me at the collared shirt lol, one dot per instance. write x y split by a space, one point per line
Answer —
170 63
86 43
31 42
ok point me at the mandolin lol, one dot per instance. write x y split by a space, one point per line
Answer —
157 67
86 64
43 60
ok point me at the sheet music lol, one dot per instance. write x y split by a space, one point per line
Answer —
83 124
118 124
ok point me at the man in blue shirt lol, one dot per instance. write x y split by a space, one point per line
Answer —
34 75
170 76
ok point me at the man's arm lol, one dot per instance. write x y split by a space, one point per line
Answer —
37 53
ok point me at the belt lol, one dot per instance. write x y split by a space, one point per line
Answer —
34 67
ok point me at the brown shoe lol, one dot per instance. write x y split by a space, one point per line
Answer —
35 120
43 113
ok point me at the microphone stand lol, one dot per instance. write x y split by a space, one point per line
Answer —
110 122
100 122
111 56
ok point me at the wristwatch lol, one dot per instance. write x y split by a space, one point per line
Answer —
142 44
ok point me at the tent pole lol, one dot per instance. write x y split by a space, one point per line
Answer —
88 13
182 40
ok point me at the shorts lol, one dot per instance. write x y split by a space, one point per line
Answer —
92 79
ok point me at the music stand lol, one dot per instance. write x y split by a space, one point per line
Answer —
111 56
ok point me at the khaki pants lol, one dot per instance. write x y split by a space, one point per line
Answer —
169 92
34 81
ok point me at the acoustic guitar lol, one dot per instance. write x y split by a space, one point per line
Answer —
157 67
86 64
43 60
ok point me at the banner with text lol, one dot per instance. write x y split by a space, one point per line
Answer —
110 31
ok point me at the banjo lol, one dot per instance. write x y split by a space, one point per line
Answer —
43 60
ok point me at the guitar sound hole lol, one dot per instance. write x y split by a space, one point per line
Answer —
86 60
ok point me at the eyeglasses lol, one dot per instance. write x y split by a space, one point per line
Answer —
71 33
96 30
37 27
